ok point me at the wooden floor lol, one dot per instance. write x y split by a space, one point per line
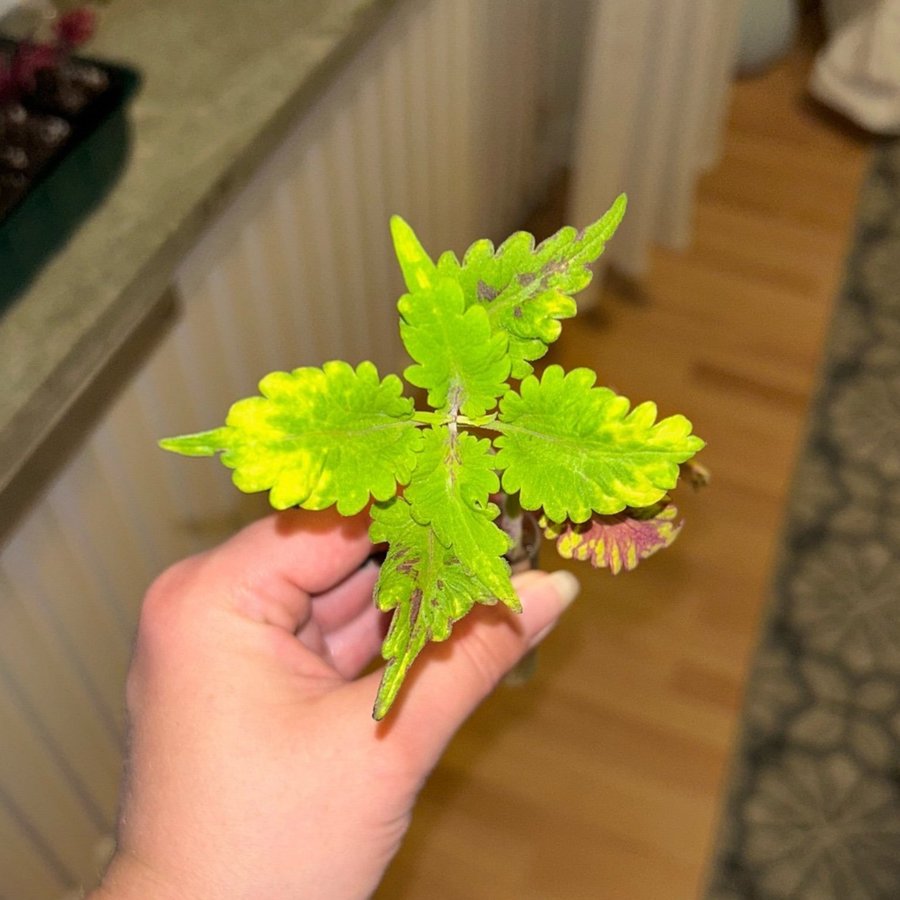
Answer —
602 779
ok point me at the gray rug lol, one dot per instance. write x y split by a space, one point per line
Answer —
813 808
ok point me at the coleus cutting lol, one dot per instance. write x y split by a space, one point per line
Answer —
596 470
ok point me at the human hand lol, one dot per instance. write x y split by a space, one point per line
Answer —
254 768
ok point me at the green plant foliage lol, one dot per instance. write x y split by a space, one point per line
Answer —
449 491
317 437
572 449
559 444
427 585
525 289
461 364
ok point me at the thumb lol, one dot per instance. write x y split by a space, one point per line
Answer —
450 679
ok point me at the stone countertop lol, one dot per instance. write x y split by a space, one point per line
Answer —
222 82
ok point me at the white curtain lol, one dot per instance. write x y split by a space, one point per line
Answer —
653 102
858 70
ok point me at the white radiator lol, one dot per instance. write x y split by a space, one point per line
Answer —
435 119
652 109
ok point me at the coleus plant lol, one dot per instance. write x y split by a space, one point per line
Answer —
595 470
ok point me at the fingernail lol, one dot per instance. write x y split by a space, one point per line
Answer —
566 585
567 588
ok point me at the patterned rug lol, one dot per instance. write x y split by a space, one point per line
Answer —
813 810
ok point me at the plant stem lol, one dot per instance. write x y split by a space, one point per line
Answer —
427 417
523 529
489 421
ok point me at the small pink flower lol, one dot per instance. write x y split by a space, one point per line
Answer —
76 27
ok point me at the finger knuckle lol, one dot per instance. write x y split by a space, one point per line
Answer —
159 629
165 600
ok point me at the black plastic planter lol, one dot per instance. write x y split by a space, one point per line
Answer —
57 162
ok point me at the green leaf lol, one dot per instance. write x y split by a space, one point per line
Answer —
527 290
204 443
427 586
450 491
616 542
446 553
458 361
416 265
317 437
574 449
